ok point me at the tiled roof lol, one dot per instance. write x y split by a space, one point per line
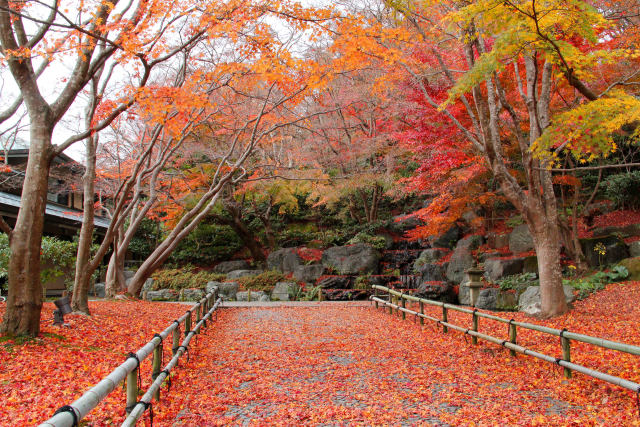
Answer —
54 210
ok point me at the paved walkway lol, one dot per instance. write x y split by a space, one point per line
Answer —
348 364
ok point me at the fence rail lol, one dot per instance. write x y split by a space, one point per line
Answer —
70 415
565 336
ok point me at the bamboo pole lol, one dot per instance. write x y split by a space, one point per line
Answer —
187 324
421 312
404 305
566 354
375 294
512 336
155 367
176 339
474 326
132 389
444 320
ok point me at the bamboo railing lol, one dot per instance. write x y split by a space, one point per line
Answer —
70 415
565 336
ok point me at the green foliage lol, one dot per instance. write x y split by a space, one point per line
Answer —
514 221
298 293
146 238
362 283
57 256
377 242
518 281
262 282
597 281
206 244
183 278
622 189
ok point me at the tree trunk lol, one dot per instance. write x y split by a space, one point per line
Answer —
547 244
115 280
24 299
80 299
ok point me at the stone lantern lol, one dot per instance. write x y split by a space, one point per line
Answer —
475 283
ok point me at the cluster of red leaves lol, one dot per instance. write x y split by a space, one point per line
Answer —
39 376
352 365
310 254
620 218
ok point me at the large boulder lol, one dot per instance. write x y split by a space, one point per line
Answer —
634 249
497 240
283 290
236 274
252 296
227 290
622 230
128 274
432 272
464 293
402 223
353 259
383 280
285 260
428 256
496 299
99 290
604 250
228 266
148 285
162 295
212 286
308 273
472 242
191 294
437 291
446 240
461 260
633 266
529 301
520 239
344 294
496 268
335 282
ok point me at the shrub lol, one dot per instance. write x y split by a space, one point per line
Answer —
622 189
262 282
378 242
183 278
206 244
518 281
597 281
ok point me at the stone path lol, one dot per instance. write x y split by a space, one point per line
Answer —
348 364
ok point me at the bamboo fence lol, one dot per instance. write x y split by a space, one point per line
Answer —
70 415
565 336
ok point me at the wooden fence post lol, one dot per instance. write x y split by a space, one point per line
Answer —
132 389
421 312
156 366
474 327
512 336
375 294
176 339
444 319
187 324
404 305
566 352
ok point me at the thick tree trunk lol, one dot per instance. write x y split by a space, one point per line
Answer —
115 280
547 243
24 299
80 299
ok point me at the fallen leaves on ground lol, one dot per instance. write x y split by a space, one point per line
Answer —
335 364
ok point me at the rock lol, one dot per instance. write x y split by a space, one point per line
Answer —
283 290
344 294
614 250
529 301
121 297
497 241
383 280
625 230
432 272
459 262
634 249
438 291
520 239
227 290
128 274
162 295
99 290
496 268
353 259
236 274
496 299
530 264
464 293
335 282
308 273
285 260
148 285
402 223
472 242
252 296
212 286
228 266
446 240
428 256
191 294
633 265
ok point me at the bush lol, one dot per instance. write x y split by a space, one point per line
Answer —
518 281
206 244
622 189
183 278
377 242
597 281
262 282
